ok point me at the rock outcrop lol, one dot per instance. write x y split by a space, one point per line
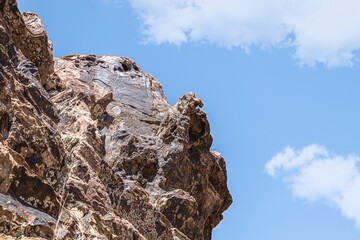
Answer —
91 149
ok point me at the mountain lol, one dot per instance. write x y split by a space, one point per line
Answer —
90 147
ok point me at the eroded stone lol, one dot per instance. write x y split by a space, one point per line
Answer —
90 148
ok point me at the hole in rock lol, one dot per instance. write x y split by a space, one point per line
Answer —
125 67
149 172
5 125
197 129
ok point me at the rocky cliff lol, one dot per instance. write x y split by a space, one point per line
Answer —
91 149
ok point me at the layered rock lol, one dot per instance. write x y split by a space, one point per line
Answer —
90 148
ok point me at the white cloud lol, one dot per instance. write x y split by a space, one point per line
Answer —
321 31
314 174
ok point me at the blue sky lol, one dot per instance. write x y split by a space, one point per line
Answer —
280 85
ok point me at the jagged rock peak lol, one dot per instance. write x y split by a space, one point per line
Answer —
90 147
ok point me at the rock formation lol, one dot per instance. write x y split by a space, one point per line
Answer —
91 149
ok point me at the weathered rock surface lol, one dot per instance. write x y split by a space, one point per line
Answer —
91 149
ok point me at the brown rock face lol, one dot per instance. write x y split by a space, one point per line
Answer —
91 149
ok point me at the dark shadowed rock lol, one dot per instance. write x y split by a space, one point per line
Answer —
90 148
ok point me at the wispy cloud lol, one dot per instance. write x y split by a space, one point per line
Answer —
315 174
320 31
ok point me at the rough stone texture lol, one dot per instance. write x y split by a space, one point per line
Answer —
91 149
